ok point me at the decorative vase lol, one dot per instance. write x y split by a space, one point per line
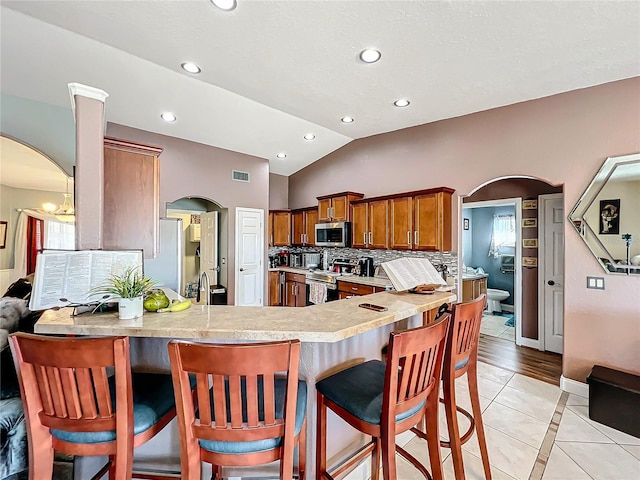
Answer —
129 308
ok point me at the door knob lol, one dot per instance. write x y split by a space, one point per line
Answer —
242 269
551 282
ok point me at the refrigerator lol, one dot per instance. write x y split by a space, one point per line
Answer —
166 267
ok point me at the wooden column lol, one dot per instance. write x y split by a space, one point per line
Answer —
88 106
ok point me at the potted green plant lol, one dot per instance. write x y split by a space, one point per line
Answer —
129 288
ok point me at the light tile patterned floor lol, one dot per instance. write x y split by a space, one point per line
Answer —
494 326
520 426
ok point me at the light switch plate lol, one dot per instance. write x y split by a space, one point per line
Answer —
595 282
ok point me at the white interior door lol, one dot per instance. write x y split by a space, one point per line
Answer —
249 254
209 245
551 251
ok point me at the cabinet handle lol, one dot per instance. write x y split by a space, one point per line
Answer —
271 239
370 238
288 238
364 238
408 237
354 288
415 237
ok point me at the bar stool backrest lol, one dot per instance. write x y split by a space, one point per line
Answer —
232 369
414 367
64 382
464 332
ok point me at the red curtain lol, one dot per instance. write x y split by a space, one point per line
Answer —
35 242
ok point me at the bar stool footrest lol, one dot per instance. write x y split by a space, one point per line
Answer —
464 438
414 461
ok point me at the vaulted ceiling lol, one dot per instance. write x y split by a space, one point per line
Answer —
273 71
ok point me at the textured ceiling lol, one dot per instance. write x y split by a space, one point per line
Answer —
275 70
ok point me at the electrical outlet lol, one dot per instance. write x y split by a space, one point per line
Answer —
595 282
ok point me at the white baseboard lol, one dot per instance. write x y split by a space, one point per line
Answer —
573 386
507 308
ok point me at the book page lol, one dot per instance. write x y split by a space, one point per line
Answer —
406 273
64 277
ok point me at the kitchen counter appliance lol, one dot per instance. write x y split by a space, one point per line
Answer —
337 234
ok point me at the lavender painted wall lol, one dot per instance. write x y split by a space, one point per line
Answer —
193 169
278 192
561 139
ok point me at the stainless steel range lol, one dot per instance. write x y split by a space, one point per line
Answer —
330 278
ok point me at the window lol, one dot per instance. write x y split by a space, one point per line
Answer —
59 236
503 235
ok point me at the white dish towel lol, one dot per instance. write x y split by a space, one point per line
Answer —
317 292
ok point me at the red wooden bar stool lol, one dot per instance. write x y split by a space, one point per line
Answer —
461 356
385 400
247 413
74 405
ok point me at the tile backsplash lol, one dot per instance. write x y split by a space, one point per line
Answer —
379 256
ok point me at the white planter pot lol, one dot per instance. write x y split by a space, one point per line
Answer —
129 308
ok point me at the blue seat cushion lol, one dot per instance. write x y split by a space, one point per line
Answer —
359 391
461 363
152 399
270 443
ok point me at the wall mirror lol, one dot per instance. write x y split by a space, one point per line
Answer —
607 216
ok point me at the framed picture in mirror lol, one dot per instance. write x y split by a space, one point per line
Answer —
610 217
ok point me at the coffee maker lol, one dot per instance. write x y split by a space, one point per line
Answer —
366 267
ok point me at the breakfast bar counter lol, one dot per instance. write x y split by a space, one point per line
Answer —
328 322
334 336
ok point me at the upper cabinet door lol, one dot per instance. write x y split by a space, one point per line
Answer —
340 209
281 229
401 223
131 196
298 228
359 226
378 223
310 224
324 210
432 221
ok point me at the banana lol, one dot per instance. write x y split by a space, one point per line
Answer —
176 306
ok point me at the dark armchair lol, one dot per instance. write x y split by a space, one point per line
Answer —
13 433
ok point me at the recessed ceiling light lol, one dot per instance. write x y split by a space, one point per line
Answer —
168 117
309 136
191 67
403 102
227 5
281 155
347 119
370 55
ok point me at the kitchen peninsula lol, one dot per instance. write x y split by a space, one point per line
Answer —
334 336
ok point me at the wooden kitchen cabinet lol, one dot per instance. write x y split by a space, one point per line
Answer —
348 289
473 288
280 228
432 221
295 290
335 208
131 196
303 228
421 220
369 222
274 289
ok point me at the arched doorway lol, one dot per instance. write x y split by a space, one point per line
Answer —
515 267
190 210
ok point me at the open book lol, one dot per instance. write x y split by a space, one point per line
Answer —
406 273
64 277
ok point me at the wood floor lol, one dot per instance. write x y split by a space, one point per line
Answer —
504 353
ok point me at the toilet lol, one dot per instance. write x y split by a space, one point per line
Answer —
494 297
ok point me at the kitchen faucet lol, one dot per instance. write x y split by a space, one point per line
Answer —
204 275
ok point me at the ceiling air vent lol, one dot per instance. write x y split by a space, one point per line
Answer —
239 176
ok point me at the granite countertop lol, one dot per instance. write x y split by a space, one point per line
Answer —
328 322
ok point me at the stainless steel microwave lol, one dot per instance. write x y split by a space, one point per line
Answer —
336 234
